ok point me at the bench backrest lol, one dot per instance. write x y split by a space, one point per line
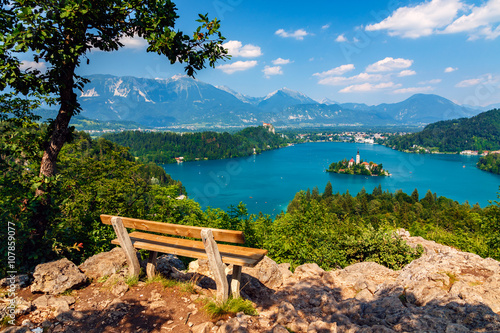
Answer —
221 235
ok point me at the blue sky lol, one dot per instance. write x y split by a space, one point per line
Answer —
348 51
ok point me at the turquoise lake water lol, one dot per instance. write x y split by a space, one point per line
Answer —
268 182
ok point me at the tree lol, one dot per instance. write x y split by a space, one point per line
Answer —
60 34
328 193
414 195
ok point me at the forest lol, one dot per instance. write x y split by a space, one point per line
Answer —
97 176
490 163
164 147
481 132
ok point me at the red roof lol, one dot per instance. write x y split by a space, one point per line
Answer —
351 160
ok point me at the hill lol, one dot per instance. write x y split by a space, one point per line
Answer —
164 147
481 132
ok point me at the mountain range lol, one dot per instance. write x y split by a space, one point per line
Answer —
182 102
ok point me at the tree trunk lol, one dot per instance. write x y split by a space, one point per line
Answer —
59 136
60 126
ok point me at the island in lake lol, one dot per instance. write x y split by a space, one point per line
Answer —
357 167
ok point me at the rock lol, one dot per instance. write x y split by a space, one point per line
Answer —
21 281
104 264
233 325
202 328
166 261
456 328
289 317
285 270
305 271
267 272
56 277
279 329
119 289
449 275
16 329
322 327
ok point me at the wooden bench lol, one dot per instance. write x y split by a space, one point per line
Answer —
205 249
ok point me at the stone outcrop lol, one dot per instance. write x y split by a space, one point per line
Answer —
445 290
56 277
104 264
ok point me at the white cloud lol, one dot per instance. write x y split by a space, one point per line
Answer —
274 70
362 77
281 61
450 69
237 66
368 87
421 20
336 71
479 22
297 34
236 49
135 42
341 39
389 64
413 90
433 81
468 83
41 66
407 72
326 26
488 79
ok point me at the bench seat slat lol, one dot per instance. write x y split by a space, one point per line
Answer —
236 255
230 236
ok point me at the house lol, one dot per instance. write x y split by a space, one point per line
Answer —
351 163
179 159
366 165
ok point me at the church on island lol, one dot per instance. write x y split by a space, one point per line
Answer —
357 167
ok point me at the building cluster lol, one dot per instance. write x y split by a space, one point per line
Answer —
358 137
476 153
368 166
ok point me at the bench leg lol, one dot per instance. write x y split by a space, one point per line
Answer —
126 244
151 266
236 281
216 265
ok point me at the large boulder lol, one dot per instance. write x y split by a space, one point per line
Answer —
56 277
166 264
104 264
267 272
454 276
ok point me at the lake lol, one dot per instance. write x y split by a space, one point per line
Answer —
268 182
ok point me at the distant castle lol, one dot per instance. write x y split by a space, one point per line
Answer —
269 127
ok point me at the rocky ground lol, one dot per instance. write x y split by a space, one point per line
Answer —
443 291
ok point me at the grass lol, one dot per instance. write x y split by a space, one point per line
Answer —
166 283
453 278
103 279
4 322
68 292
230 307
132 280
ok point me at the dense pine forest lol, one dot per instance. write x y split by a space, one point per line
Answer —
481 132
164 147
